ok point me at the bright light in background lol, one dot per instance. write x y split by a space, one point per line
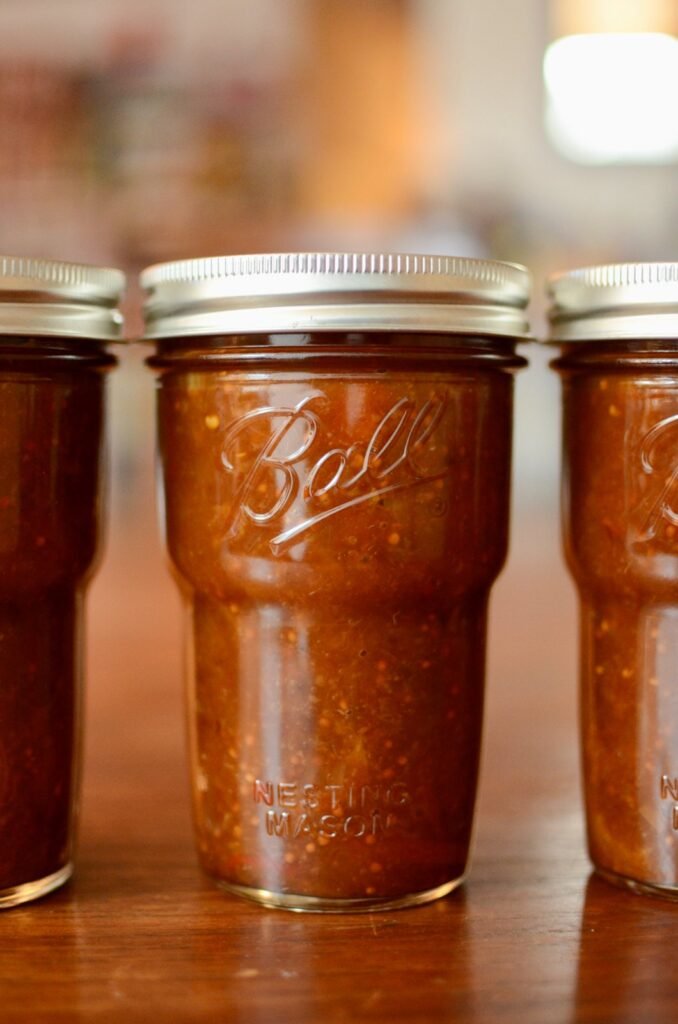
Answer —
613 97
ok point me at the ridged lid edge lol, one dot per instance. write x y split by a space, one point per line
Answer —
33 273
333 264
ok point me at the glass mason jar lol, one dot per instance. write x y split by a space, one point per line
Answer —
618 330
55 319
335 435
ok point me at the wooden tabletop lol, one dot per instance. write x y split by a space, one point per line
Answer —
140 935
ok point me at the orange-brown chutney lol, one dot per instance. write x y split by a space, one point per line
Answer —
56 319
51 396
621 535
337 510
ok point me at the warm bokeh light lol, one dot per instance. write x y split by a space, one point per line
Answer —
612 97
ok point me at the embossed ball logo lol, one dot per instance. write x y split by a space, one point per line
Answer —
282 465
658 479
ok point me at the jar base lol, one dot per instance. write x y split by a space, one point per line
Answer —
16 894
666 892
324 905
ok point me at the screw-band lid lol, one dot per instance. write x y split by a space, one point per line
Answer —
614 301
301 292
50 297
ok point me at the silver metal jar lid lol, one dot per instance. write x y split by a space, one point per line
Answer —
615 301
301 292
49 297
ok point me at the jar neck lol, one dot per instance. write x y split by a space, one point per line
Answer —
627 355
29 352
371 350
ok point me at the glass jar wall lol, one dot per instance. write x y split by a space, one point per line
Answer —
336 505
51 437
619 365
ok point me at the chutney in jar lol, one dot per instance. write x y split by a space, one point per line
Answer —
51 433
619 368
336 508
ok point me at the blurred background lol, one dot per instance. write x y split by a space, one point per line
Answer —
540 131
